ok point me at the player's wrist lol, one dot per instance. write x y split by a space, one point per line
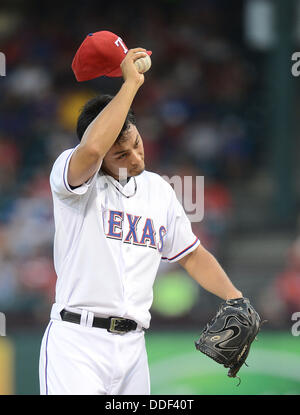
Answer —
133 83
233 295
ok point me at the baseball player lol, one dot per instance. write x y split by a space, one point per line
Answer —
114 223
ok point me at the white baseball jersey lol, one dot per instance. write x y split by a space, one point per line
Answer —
108 247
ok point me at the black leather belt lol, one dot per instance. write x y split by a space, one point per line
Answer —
117 325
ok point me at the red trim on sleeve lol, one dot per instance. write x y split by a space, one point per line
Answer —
64 172
186 249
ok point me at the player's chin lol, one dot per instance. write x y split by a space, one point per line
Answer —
137 171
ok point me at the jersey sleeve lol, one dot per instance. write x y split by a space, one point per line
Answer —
59 177
179 239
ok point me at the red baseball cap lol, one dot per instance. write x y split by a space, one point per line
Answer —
100 54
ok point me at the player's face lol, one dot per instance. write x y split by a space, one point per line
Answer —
126 154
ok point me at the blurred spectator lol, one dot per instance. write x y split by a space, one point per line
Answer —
29 81
8 281
203 146
236 147
8 270
287 283
36 274
280 297
32 224
218 213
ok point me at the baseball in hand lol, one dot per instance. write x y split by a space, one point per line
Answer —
143 64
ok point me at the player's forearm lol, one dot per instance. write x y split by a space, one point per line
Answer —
206 270
105 128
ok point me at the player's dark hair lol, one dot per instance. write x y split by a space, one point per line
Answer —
92 108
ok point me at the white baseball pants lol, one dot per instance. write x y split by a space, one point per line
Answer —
81 360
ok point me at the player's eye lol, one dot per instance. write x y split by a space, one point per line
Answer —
122 156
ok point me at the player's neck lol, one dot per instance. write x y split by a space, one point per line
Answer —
121 180
124 181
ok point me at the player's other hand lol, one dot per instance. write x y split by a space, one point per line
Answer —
129 70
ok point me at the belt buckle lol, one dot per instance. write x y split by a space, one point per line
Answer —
113 322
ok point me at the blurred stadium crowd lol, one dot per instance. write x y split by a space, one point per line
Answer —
197 113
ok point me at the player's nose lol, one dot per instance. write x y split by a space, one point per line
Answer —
136 158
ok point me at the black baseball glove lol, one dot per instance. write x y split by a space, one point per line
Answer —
228 336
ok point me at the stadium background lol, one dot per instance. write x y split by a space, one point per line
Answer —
220 101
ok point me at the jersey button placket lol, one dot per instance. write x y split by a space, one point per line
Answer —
123 253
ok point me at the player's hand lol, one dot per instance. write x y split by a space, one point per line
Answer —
129 70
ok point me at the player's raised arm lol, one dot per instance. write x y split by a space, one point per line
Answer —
105 128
